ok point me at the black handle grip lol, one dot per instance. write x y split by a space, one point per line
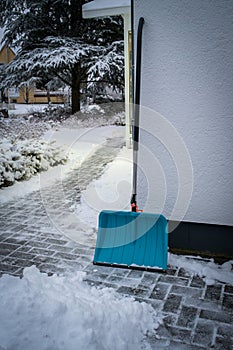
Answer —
138 84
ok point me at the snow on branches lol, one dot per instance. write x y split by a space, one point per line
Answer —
54 41
58 58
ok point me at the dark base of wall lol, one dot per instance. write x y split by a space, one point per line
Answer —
206 240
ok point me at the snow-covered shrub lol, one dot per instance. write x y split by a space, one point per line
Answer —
57 112
50 113
93 115
92 109
119 119
20 160
4 113
22 127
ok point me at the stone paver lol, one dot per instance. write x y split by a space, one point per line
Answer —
34 231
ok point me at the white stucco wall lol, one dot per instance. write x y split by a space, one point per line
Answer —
187 77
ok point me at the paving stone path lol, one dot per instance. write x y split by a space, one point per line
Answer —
35 231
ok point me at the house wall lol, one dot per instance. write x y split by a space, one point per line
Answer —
6 55
185 156
54 98
39 97
42 98
22 96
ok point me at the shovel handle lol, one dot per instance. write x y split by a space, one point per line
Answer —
134 206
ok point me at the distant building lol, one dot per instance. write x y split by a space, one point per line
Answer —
26 94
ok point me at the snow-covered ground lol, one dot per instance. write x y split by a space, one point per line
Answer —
64 312
23 108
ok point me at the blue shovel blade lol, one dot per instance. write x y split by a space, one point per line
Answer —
132 239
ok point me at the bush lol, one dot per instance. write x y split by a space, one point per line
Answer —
22 159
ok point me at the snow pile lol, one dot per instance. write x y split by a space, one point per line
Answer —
92 109
20 160
208 270
64 312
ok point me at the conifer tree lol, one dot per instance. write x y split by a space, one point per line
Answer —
54 41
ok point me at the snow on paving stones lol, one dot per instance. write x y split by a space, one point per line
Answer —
208 270
111 191
66 313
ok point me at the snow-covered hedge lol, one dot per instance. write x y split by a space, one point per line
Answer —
22 159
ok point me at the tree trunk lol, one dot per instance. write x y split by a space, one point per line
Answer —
48 96
75 90
27 94
76 25
75 99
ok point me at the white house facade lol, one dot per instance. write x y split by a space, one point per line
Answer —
186 145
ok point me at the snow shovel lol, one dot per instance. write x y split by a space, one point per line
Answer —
133 239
